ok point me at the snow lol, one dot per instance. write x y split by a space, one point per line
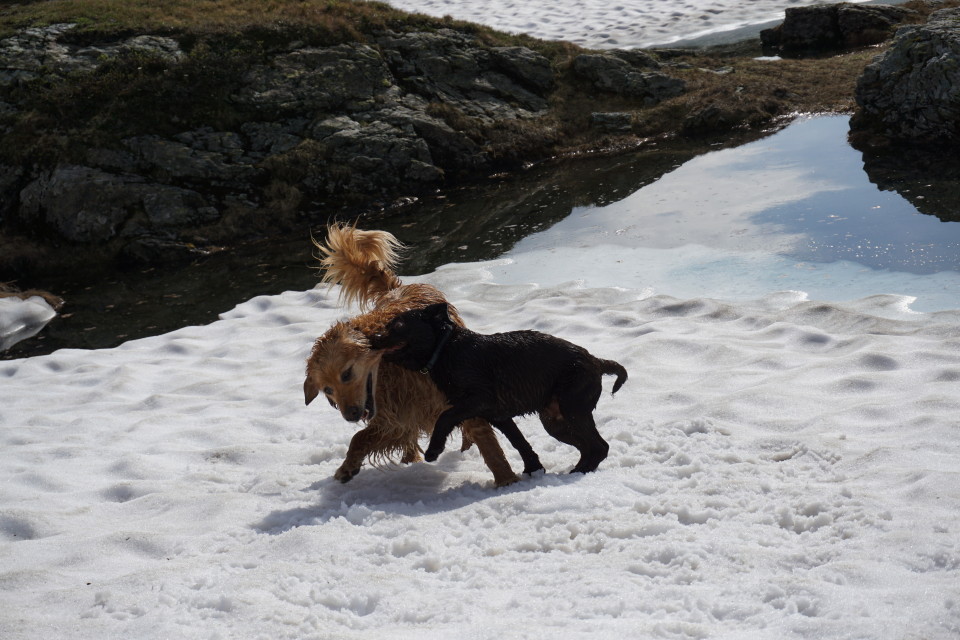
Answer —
22 318
601 24
779 468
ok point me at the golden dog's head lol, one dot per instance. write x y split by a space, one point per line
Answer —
344 368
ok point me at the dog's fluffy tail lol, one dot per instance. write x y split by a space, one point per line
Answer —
611 368
361 262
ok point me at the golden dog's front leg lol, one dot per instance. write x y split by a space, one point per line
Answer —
361 444
411 454
481 433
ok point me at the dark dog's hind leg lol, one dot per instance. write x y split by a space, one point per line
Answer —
531 461
576 431
576 401
593 448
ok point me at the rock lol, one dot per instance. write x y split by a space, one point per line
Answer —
707 119
80 203
166 49
174 208
524 65
377 156
822 28
637 58
451 68
355 121
616 122
314 79
613 74
205 156
87 205
274 137
24 56
912 92
450 149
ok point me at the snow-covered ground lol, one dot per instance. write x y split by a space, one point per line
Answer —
603 24
779 468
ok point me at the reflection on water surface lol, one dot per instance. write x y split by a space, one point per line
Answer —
801 193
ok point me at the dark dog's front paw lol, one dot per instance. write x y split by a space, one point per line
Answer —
432 454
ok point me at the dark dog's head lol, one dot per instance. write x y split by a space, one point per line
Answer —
344 368
411 338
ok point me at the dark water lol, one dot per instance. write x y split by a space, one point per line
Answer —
900 215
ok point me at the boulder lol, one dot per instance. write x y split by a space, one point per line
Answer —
525 66
452 68
912 92
33 51
614 122
613 74
193 156
372 157
824 28
265 138
450 149
86 205
312 79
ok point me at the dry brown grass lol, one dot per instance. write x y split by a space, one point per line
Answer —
315 21
756 91
9 290
747 93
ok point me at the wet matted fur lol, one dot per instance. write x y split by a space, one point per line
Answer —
398 405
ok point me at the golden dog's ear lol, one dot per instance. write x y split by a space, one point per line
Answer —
310 391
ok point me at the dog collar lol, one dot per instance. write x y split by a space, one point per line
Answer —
447 330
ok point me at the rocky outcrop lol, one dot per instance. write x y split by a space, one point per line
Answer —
449 68
912 92
345 123
628 75
826 28
82 204
33 52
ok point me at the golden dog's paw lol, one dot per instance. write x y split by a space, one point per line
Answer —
506 481
346 474
411 456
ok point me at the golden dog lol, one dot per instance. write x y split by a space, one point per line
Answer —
397 405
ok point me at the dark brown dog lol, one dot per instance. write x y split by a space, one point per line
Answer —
501 376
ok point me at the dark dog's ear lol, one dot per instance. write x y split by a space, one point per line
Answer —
439 312
310 391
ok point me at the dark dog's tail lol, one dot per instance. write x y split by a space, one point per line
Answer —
610 368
